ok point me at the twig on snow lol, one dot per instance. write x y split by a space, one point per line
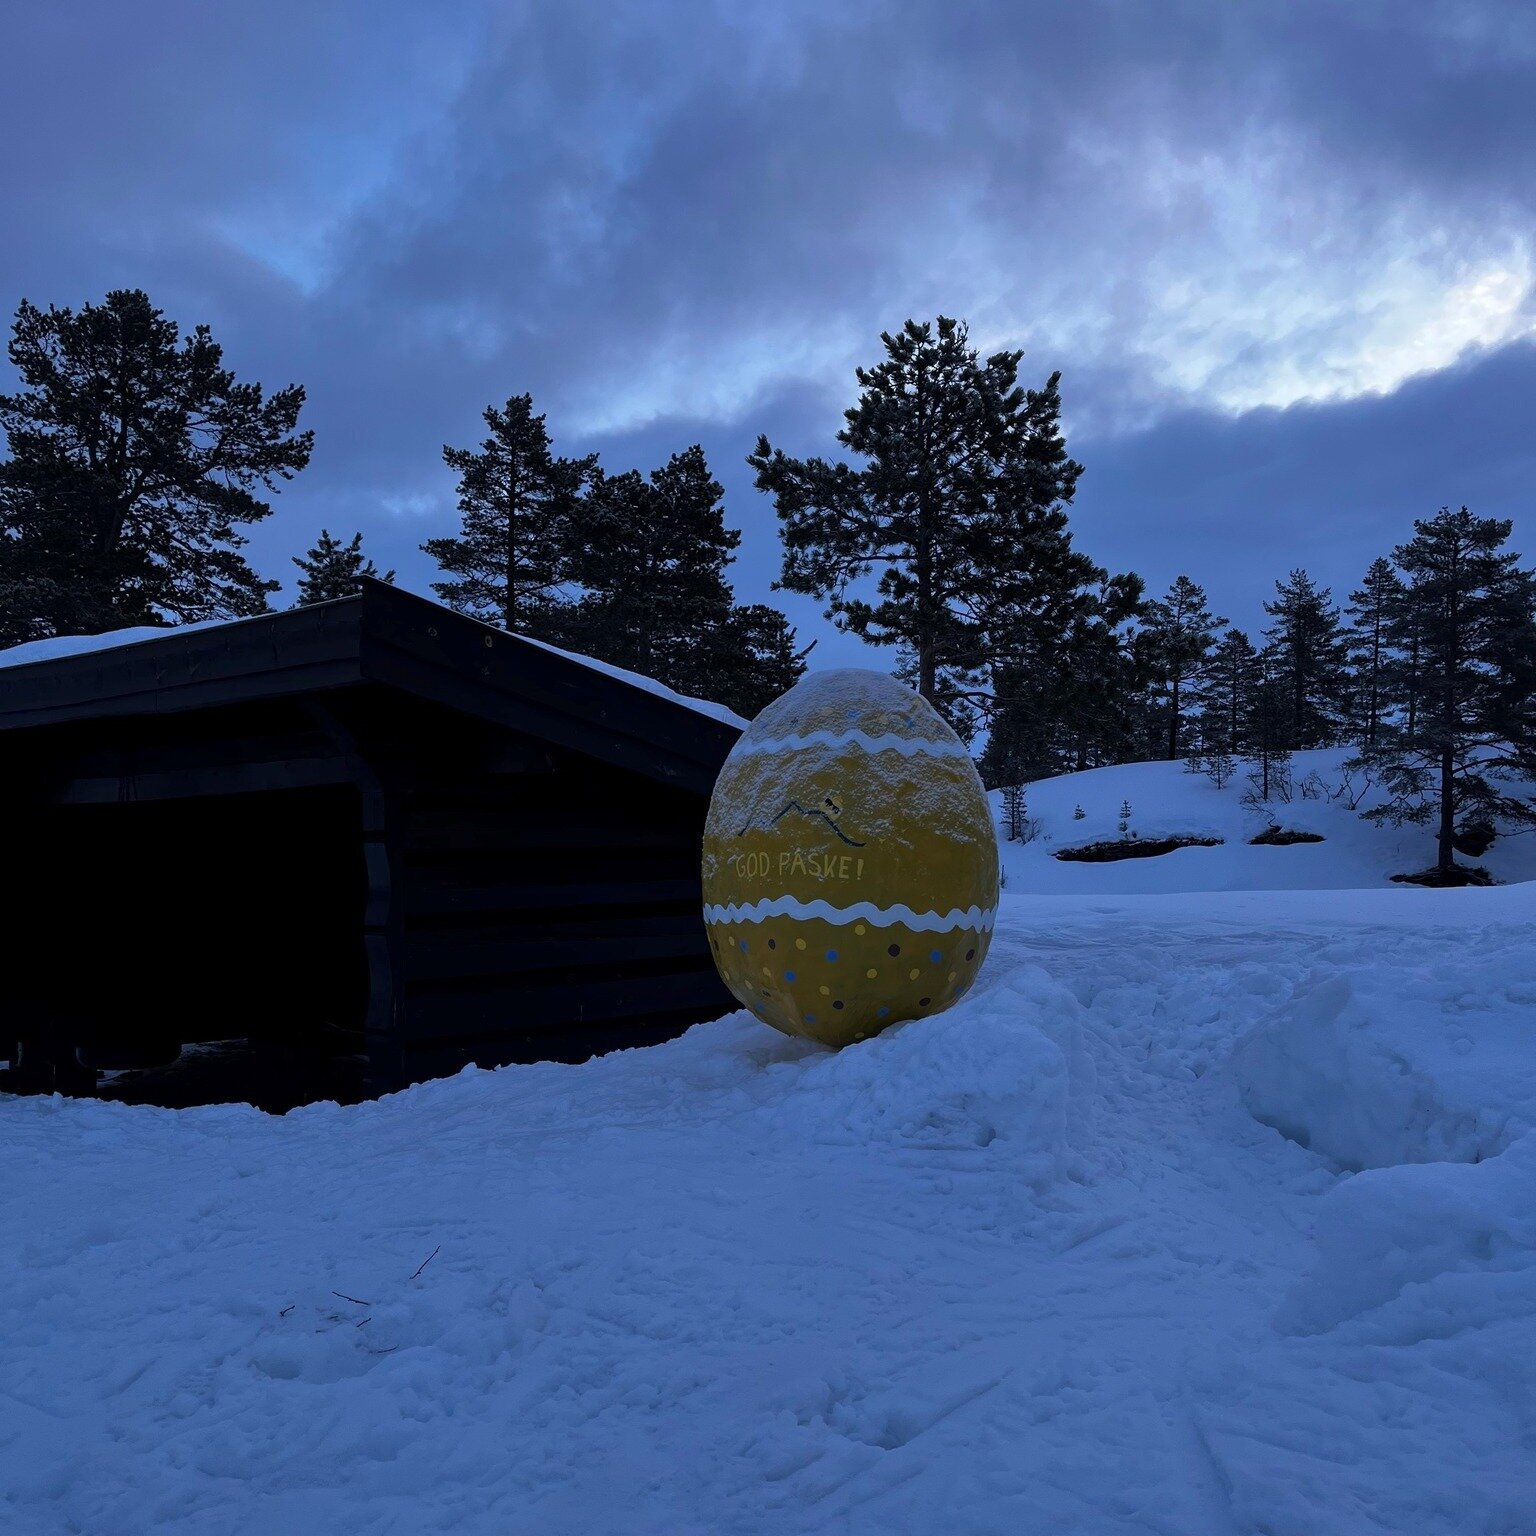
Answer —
428 1260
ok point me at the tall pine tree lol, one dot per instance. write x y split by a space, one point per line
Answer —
134 458
1268 726
1063 696
333 569
1307 650
654 594
508 563
1465 763
1370 610
1226 689
962 479
1179 632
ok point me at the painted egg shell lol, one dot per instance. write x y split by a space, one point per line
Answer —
850 863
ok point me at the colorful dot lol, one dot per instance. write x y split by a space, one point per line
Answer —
871 973
810 1018
912 975
799 943
880 1013
952 976
895 949
789 975
923 1002
933 954
832 954
858 928
769 974
837 1004
970 954
825 991
773 943
743 944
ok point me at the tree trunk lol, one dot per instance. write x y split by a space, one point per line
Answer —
1173 723
513 491
1447 808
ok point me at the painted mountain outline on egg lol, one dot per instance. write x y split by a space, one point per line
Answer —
813 813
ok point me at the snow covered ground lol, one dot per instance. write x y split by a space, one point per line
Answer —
1167 800
1041 1264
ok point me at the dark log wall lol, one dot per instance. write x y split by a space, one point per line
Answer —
549 912
356 869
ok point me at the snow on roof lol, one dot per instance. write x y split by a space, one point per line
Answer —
58 646
648 684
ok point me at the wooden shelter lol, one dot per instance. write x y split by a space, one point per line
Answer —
372 825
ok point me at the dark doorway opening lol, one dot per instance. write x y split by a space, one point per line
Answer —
152 927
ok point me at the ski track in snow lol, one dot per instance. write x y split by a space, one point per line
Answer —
1030 1266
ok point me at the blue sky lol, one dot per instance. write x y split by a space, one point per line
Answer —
1282 253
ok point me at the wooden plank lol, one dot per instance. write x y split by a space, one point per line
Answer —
487 696
448 956
430 899
194 744
532 827
193 783
502 1007
119 699
275 655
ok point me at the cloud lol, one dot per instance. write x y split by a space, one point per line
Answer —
682 219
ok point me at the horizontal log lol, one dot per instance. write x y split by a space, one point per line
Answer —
507 1008
444 955
429 899
194 783
537 826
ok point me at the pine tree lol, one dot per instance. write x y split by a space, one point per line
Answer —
333 569
1268 721
1014 812
1369 610
756 659
1465 762
654 593
1225 690
1307 646
134 457
963 481
509 561
1179 633
1064 693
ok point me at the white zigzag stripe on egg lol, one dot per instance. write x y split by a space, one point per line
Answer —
905 746
860 912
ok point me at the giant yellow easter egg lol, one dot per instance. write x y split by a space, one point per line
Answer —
850 863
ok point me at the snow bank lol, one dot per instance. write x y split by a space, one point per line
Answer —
1030 1265
1430 1250
1167 800
1425 1059
1346 1070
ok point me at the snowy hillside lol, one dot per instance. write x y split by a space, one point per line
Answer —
1168 801
1201 1214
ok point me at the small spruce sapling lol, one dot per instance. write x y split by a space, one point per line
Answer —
1124 824
1219 767
1013 812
